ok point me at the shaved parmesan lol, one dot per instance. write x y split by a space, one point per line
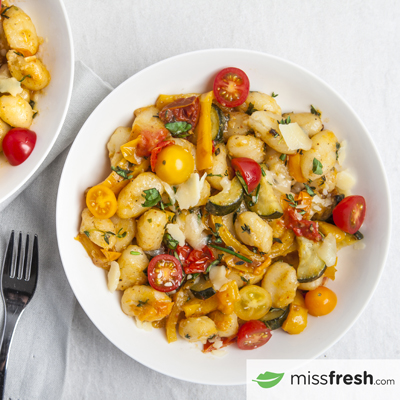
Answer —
218 277
175 231
10 85
188 193
194 232
169 191
327 252
113 276
345 181
295 137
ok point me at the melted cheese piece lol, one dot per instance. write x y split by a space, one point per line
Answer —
295 137
345 181
194 232
218 277
113 276
188 193
175 231
10 85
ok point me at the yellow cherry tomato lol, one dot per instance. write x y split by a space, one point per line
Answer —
254 303
320 301
296 320
174 165
101 202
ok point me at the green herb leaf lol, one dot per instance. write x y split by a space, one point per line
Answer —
286 121
246 228
179 127
170 242
18 53
142 303
149 220
26 76
250 109
254 199
244 279
152 197
263 172
217 151
241 180
125 173
283 157
187 336
274 133
136 253
277 240
309 190
3 14
210 175
337 150
225 250
87 233
214 263
317 167
290 199
315 111
32 103
121 235
274 95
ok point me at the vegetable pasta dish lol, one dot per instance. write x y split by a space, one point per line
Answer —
222 217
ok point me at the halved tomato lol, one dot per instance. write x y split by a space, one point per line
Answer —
231 87
349 214
164 273
199 260
101 202
249 170
254 303
253 334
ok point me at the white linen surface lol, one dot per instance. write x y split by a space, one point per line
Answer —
57 353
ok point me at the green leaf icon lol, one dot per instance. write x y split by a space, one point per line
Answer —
268 379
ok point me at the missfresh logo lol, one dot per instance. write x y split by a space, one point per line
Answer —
268 379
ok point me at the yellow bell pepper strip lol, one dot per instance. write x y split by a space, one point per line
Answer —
296 320
287 245
295 169
325 228
231 241
128 151
180 298
330 272
116 182
111 255
165 99
227 296
199 307
204 157
94 252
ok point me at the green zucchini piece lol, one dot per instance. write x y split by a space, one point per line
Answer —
275 317
225 203
311 267
218 122
267 205
203 289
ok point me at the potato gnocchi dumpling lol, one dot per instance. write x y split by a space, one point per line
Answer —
224 254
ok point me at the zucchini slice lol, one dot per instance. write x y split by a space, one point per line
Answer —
267 205
275 317
225 203
311 267
218 122
203 289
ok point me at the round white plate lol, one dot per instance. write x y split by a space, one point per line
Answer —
51 22
358 271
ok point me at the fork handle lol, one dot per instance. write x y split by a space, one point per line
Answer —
11 317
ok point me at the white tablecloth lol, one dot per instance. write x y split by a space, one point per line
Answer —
353 46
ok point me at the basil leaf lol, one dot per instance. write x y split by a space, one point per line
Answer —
315 111
309 190
250 109
317 167
152 197
178 127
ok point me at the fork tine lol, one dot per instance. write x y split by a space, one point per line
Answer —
27 259
34 259
8 259
20 258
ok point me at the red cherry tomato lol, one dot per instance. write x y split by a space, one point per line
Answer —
18 145
198 260
183 109
149 141
349 214
164 273
301 226
231 87
183 253
249 170
253 334
156 151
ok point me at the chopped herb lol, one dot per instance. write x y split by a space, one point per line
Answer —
323 236
149 220
3 14
87 233
142 303
254 199
263 172
358 235
274 95
175 189
32 103
274 133
241 180
210 175
170 242
179 127
152 197
239 263
317 167
246 228
187 336
226 250
107 236
250 109
121 235
244 279
212 337
124 173
214 263
235 215
323 179
309 190
156 116
164 162
136 253
26 76
277 240
286 121
315 111
34 115
301 212
19 54
217 151
290 199
337 150
283 157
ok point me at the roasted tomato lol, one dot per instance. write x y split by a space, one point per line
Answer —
164 273
183 253
183 109
156 151
18 145
226 341
231 87
300 226
199 260
249 170
149 140
349 214
101 202
253 334
320 301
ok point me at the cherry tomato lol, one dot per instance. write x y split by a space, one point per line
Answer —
254 303
164 273
349 214
226 341
149 140
253 334
231 87
174 165
101 202
156 151
198 260
18 145
320 301
183 109
301 226
183 253
249 170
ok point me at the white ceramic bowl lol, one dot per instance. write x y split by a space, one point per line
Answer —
358 271
51 22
